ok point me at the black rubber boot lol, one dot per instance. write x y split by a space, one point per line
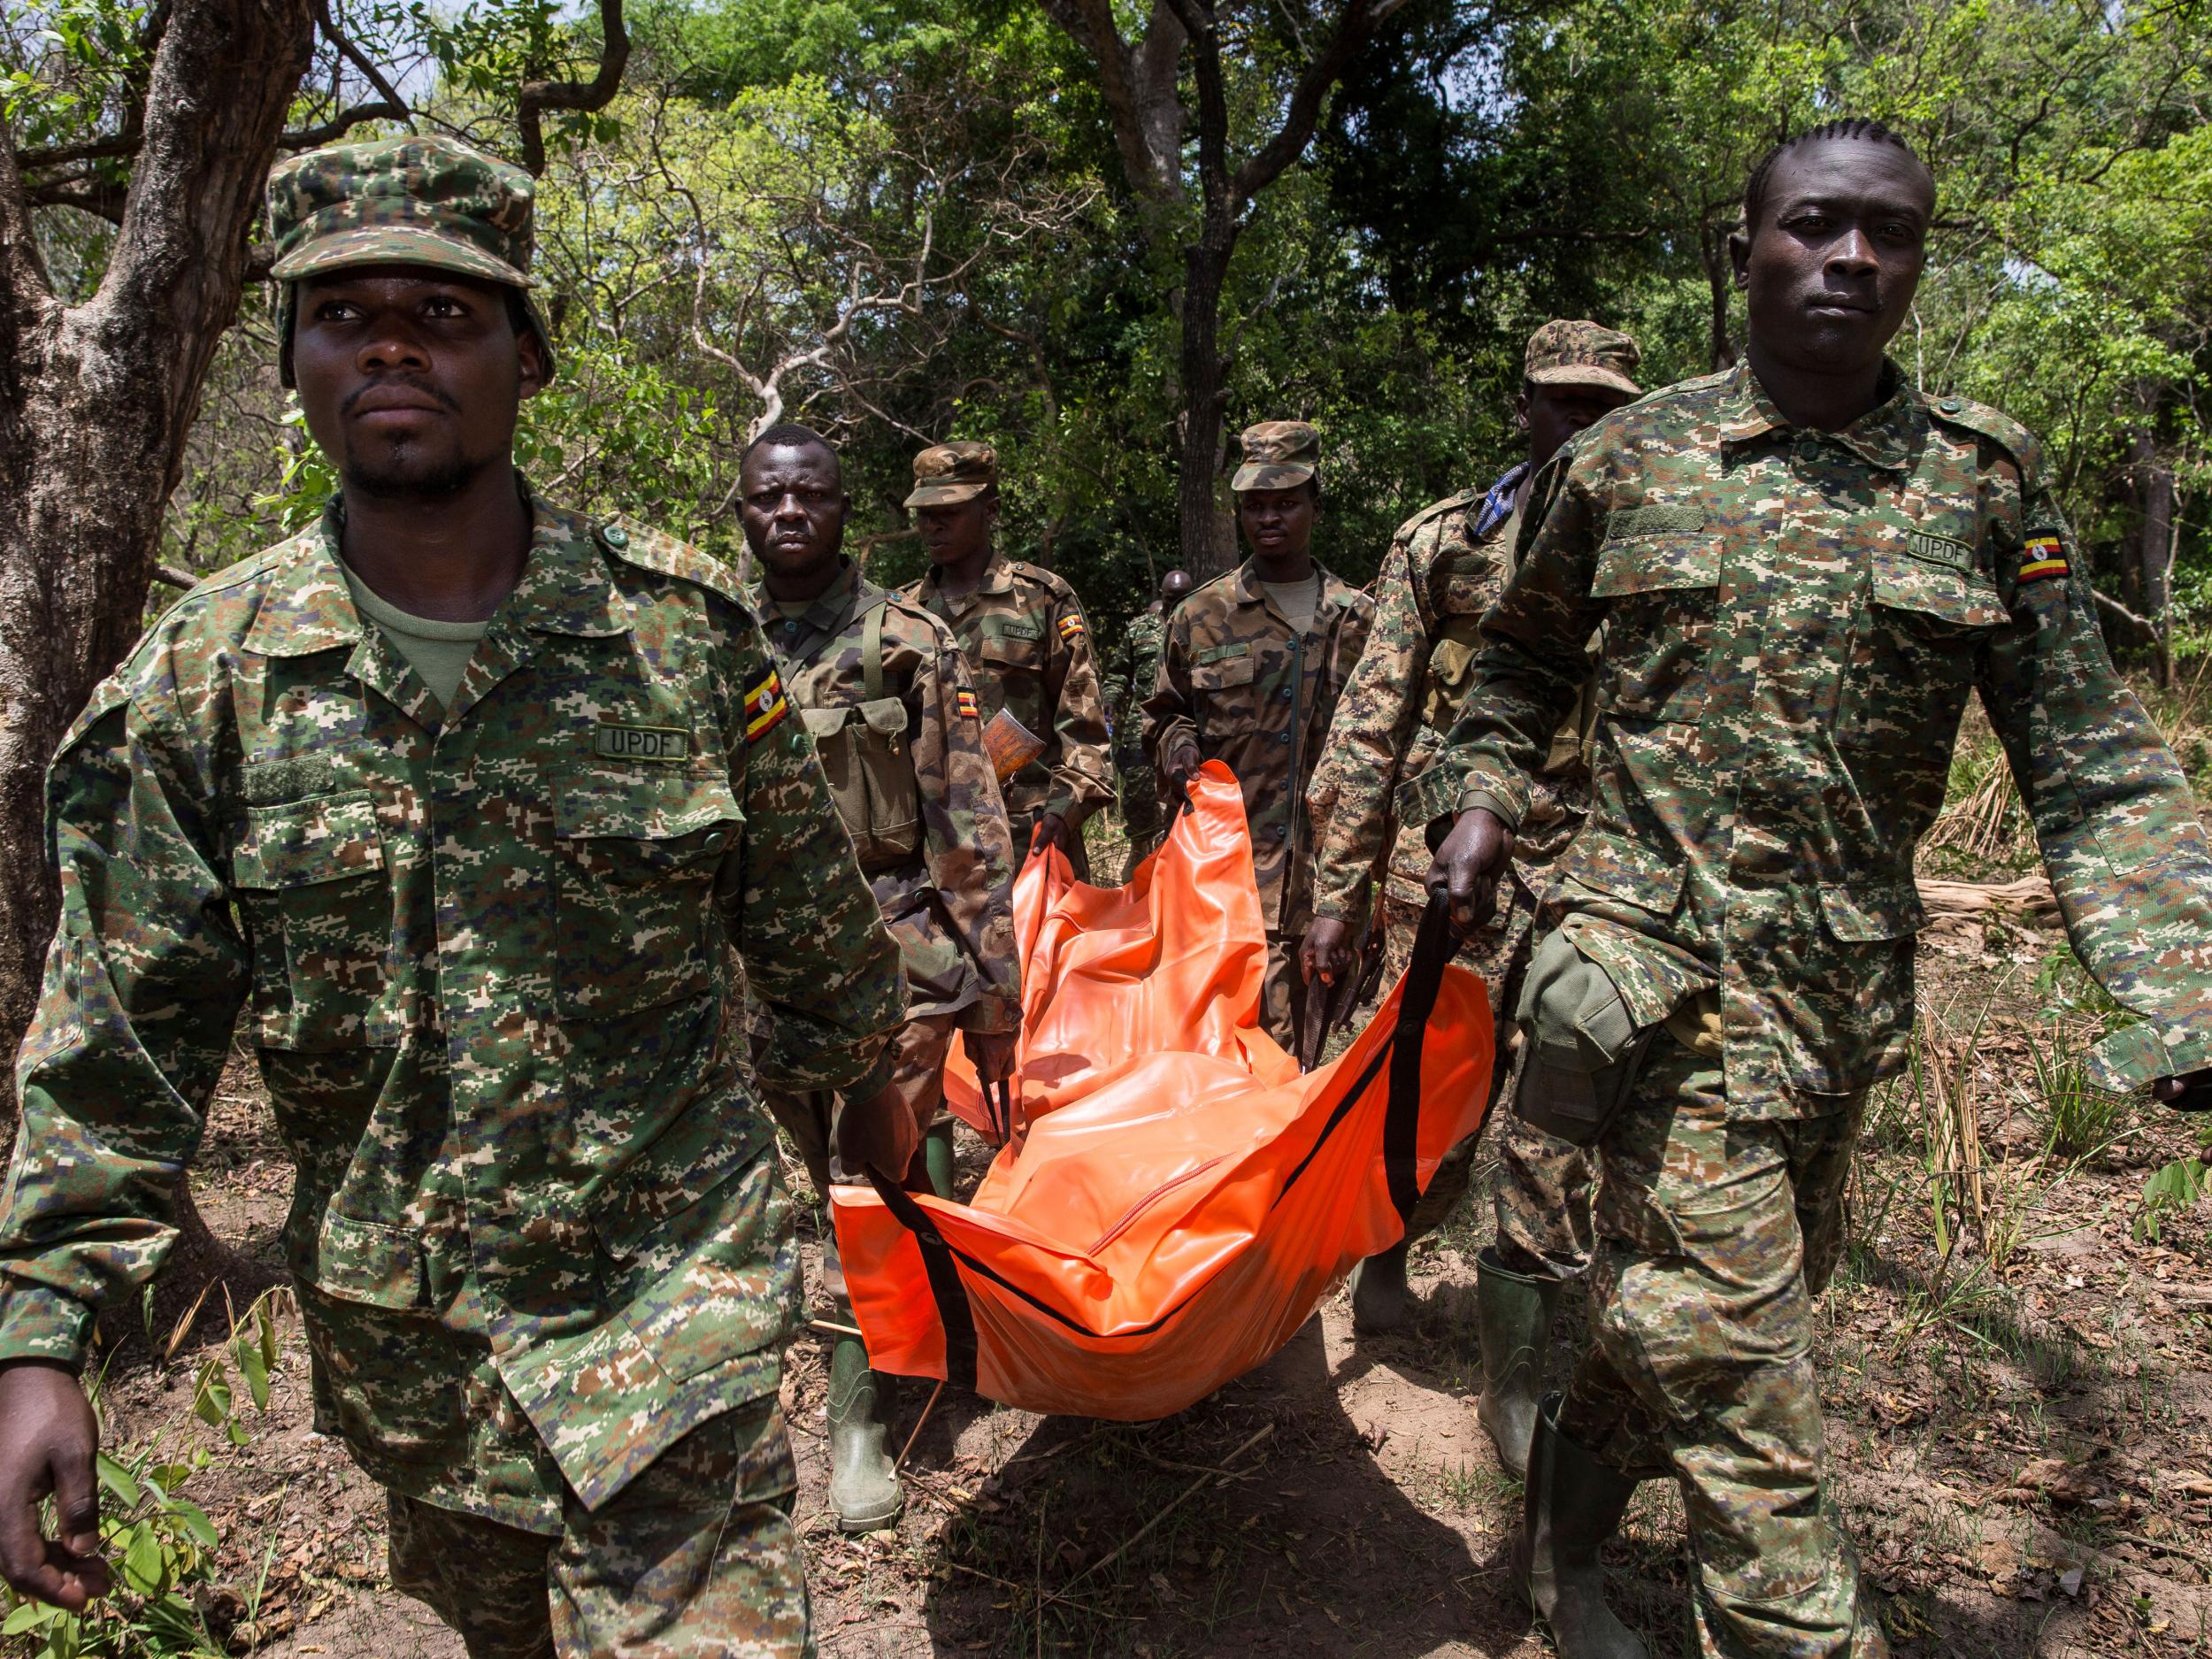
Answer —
1378 1290
1513 1314
863 1488
937 1157
1574 1503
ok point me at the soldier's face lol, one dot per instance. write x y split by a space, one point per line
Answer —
1829 272
1554 414
961 531
792 504
1278 523
411 378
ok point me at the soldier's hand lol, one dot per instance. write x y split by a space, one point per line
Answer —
992 1054
49 1440
1326 954
1183 762
1052 831
877 1133
1467 867
2190 1092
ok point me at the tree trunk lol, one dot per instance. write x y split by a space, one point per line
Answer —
2155 544
1205 374
96 402
1720 280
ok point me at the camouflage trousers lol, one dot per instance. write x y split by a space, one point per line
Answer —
1140 816
694 1559
1541 1196
918 1073
1714 1237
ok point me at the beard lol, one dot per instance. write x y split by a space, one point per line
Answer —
404 473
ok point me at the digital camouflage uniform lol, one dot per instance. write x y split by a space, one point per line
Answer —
1794 621
1028 648
1445 566
880 685
541 1246
1135 664
1238 681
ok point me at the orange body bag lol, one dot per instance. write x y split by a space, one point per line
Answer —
1177 1198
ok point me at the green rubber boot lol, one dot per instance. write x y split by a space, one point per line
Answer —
937 1157
1378 1290
1513 1314
1573 1504
863 1489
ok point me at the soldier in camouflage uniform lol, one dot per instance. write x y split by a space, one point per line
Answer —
880 685
477 897
1255 663
1028 646
1129 677
1803 568
1445 568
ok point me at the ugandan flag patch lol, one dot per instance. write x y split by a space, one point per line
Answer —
764 708
1071 626
2046 557
964 702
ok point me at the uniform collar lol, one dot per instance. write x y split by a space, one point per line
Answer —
997 578
564 589
1883 436
1251 591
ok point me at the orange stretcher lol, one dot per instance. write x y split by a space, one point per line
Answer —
1176 1197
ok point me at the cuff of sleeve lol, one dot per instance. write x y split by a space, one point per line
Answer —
40 1323
1433 794
876 1080
1337 907
2136 1056
992 1015
1474 796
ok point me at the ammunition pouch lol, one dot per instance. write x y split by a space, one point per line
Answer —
868 757
1584 1051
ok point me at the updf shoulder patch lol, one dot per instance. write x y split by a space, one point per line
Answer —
657 550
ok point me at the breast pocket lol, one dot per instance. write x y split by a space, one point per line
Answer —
1661 593
312 882
1916 645
635 863
867 755
1013 656
1224 692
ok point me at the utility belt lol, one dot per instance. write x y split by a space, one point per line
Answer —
868 755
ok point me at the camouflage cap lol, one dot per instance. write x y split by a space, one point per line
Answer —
946 474
1573 353
1277 455
430 202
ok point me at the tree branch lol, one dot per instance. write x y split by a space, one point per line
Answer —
1361 18
1129 80
339 125
359 59
538 96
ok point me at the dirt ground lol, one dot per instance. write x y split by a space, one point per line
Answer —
2018 1388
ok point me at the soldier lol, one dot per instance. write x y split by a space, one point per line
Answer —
880 684
1803 568
1445 568
1254 664
413 787
1028 646
1128 683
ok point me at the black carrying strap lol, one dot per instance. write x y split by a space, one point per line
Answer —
945 1289
1432 947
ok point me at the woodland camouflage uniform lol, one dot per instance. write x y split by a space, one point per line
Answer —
1129 677
1238 681
1447 566
1029 650
541 1246
1793 622
880 684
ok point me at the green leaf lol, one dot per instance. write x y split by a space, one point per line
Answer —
143 1567
27 1615
212 1398
265 1321
193 1520
256 1371
117 1481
